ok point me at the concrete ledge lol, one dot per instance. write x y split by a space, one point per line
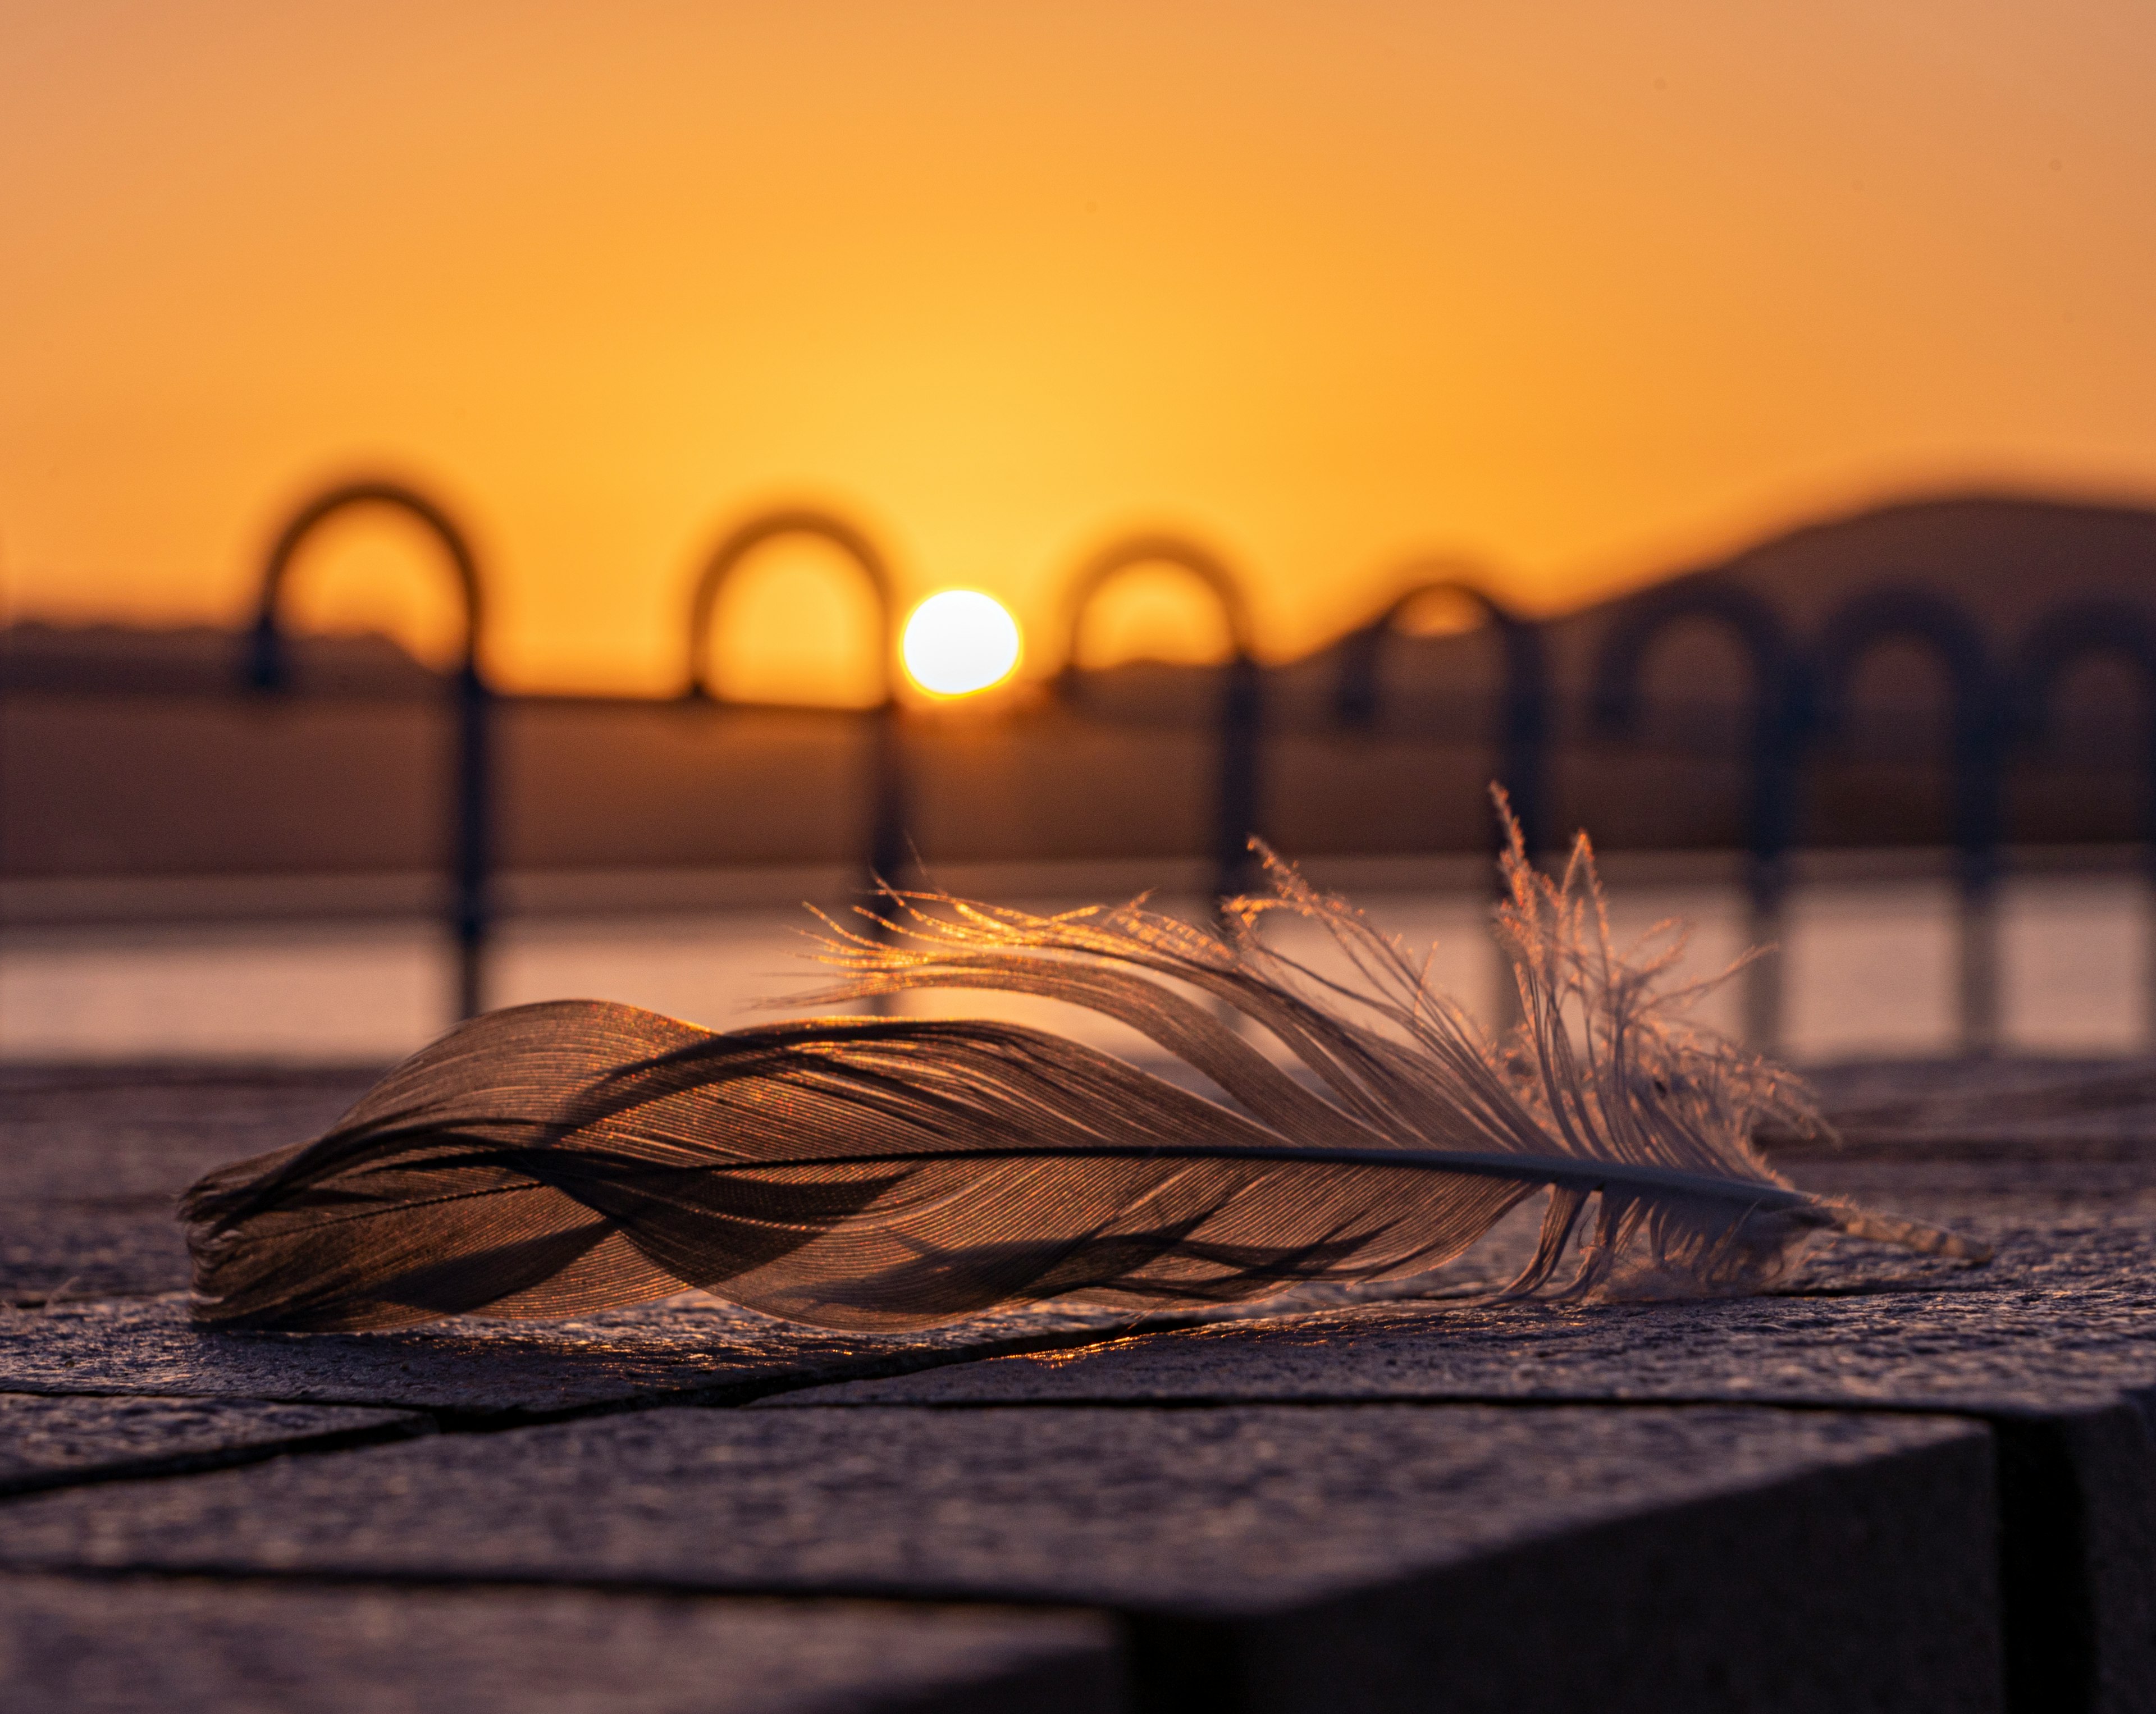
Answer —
108 1647
1754 1503
2054 1346
1365 1558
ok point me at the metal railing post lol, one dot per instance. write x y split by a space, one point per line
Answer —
1918 616
1239 762
887 856
267 669
1772 743
474 853
1522 722
2055 644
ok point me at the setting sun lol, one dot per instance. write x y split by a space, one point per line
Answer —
959 641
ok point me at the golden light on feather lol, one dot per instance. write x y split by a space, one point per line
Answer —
886 1174
960 641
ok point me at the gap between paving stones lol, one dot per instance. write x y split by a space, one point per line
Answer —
894 1364
416 1420
755 1391
752 1393
156 1468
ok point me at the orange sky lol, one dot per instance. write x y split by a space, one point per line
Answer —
1571 288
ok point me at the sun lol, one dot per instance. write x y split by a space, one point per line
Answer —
959 641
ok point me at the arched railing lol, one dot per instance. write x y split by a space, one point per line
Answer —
889 855
1523 716
1523 705
268 670
2058 642
1238 809
1771 747
1797 696
1938 625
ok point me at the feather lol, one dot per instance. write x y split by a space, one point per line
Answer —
890 1173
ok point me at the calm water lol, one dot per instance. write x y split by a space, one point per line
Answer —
1869 972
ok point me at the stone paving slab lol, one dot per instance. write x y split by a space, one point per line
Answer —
2054 1344
689 1348
2010 1099
2064 1319
2061 1319
69 1252
1268 1558
133 1130
52 1441
93 1160
693 1346
2045 1344
213 1647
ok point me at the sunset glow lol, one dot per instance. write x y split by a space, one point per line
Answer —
960 641
1577 293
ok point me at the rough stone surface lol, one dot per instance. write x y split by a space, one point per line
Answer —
2085 1225
2054 1342
1275 1558
93 1159
2065 1318
2022 1101
133 1130
48 1441
1465 1562
690 1347
209 1648
2061 1318
54 1252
